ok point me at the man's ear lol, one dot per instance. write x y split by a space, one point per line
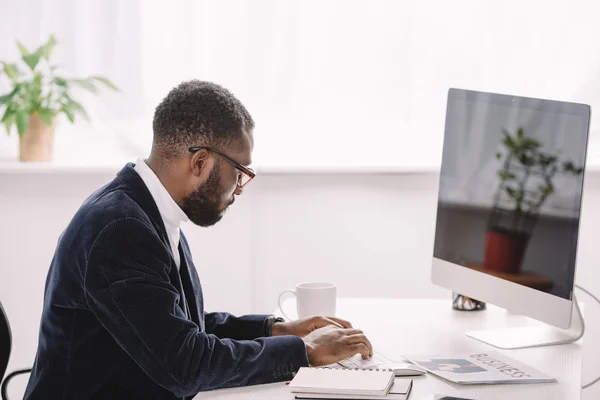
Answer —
199 162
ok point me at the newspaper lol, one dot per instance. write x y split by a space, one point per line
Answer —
481 368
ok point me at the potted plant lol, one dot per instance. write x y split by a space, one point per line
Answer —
526 182
36 95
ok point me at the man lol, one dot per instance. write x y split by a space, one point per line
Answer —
123 314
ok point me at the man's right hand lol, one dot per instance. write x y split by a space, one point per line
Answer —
331 344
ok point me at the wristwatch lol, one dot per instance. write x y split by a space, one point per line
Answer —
270 321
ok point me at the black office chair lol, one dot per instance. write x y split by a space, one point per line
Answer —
5 347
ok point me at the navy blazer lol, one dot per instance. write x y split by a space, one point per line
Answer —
115 323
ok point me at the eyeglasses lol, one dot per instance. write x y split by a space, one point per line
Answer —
247 174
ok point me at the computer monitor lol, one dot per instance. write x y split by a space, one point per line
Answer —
509 206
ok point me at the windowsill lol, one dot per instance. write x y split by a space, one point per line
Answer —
17 167
408 163
25 168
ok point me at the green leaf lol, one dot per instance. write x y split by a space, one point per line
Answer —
526 160
8 119
60 81
7 97
33 59
48 47
546 190
22 49
506 176
76 107
498 155
69 113
568 166
86 84
12 71
546 160
7 114
47 115
22 121
530 144
105 82
37 81
508 141
516 195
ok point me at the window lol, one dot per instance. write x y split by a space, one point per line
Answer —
356 83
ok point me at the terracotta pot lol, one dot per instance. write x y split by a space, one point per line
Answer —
504 251
37 142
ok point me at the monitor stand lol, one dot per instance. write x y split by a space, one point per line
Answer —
527 337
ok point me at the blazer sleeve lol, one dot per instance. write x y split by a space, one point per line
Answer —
128 289
246 327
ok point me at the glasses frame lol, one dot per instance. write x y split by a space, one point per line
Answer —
245 170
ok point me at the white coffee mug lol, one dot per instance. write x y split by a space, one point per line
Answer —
312 299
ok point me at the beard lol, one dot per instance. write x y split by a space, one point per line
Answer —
203 206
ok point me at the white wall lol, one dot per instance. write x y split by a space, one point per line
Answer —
372 234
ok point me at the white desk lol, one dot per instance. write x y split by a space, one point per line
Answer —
423 326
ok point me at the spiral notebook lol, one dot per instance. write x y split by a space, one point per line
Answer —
342 381
400 391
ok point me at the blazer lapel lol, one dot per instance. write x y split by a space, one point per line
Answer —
180 279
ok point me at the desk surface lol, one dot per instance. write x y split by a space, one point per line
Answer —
430 326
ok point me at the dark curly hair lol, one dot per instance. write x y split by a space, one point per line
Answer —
198 113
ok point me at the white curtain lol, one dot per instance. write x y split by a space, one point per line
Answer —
352 83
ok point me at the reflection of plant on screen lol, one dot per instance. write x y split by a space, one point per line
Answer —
524 163
526 181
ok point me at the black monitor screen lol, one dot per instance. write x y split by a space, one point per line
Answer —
510 189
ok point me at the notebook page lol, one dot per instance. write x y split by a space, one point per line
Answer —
344 381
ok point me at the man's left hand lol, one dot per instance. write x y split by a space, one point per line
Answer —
303 327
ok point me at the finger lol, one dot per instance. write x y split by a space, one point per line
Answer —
342 322
331 321
358 348
322 322
360 339
352 331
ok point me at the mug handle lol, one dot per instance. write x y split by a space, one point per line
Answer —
279 302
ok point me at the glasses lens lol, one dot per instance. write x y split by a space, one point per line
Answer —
244 179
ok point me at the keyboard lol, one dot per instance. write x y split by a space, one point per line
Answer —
357 361
401 367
